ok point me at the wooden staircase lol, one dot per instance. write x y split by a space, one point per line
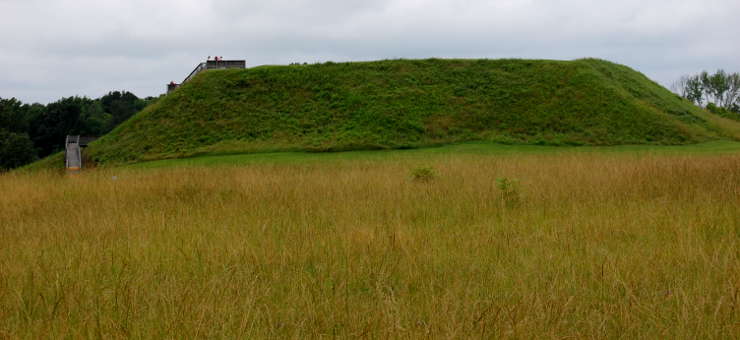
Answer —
73 154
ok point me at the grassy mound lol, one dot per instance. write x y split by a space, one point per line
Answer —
409 103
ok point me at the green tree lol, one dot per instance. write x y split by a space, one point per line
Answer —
67 116
695 90
732 100
46 126
715 86
13 115
16 149
121 106
720 89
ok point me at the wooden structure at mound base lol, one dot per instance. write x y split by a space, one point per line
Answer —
73 152
208 65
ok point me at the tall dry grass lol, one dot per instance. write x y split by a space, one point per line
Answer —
595 246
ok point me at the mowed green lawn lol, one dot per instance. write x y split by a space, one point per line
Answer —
482 149
462 241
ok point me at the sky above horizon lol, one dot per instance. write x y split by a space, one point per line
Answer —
58 48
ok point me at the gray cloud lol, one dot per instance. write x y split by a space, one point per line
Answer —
55 48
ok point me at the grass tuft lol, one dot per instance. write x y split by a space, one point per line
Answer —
423 174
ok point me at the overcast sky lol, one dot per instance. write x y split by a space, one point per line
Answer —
55 48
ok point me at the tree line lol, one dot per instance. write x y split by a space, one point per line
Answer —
32 131
718 92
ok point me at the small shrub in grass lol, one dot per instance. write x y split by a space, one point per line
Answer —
424 175
509 191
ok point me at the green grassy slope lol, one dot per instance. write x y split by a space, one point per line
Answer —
409 103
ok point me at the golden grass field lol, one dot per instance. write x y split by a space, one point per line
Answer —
581 246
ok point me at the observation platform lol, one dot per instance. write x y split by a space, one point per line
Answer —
209 65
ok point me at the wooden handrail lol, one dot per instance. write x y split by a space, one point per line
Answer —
198 69
208 65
